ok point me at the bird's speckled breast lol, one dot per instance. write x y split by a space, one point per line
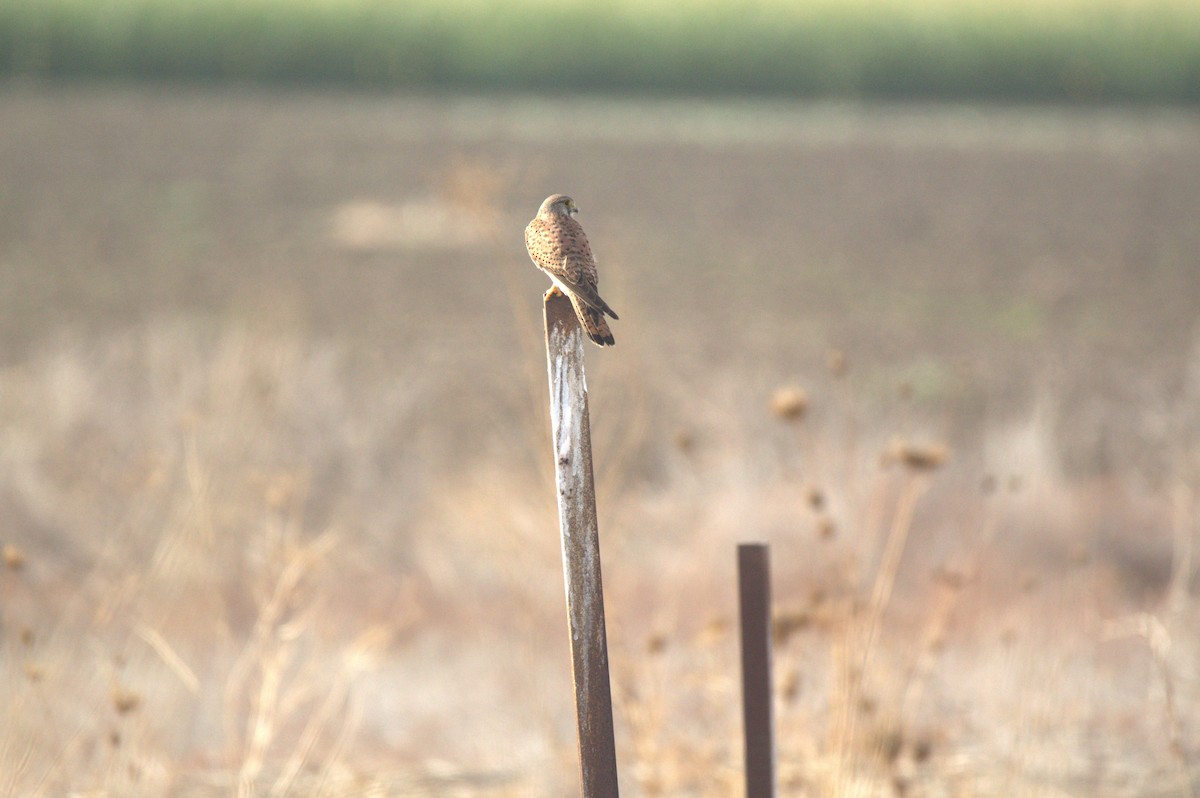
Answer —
555 239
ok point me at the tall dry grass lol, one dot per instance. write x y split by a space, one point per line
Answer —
226 582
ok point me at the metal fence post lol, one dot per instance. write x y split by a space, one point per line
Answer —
580 548
754 594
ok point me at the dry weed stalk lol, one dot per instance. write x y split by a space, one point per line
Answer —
653 682
360 656
854 650
169 656
271 656
1154 631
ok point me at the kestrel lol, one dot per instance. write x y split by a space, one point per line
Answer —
558 246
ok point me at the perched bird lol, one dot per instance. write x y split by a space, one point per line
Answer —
558 246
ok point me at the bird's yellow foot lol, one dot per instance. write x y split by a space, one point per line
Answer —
553 292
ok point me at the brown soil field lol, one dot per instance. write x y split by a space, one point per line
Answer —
275 475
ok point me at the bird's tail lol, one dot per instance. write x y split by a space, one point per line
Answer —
593 323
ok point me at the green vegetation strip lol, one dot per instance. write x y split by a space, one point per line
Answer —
1060 50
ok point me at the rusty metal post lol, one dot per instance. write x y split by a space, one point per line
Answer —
580 548
754 594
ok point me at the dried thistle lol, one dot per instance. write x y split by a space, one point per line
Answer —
125 701
815 497
917 456
14 558
787 622
789 403
714 631
789 686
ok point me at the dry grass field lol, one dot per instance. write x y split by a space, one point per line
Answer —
275 486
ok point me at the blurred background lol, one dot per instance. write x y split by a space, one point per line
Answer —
907 289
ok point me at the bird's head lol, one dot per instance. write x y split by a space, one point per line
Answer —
560 204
